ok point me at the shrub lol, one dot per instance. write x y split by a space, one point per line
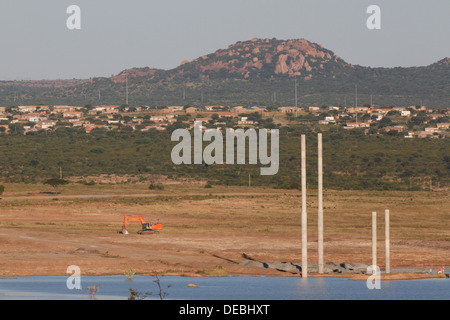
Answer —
129 272
157 186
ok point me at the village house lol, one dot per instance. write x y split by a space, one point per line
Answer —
62 109
431 129
191 110
159 127
73 114
244 120
26 109
405 113
435 116
394 128
418 108
203 120
114 109
443 126
243 110
287 109
330 119
43 109
358 109
259 109
158 118
424 134
382 111
46 124
175 108
353 125
88 127
342 115
378 116
34 117
226 114
137 120
236 109
76 122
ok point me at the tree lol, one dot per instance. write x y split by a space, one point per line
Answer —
55 182
2 189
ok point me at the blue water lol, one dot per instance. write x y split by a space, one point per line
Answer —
224 288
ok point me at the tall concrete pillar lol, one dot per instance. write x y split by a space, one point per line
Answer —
320 205
374 238
388 241
304 212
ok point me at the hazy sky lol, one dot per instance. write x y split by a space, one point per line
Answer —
115 35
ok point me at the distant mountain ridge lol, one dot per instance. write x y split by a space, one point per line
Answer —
253 72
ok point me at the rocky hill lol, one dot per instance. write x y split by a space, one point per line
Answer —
258 71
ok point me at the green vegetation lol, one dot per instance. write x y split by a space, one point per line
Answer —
55 182
352 159
129 273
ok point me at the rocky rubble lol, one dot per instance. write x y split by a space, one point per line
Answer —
329 267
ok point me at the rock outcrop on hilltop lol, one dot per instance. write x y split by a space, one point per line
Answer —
264 58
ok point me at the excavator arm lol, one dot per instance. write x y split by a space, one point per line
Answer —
131 217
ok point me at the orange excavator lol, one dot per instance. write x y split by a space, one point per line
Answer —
147 228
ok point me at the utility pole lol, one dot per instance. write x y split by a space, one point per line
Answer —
296 99
356 104
126 88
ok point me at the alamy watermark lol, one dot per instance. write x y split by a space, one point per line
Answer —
74 281
374 20
374 281
213 153
73 22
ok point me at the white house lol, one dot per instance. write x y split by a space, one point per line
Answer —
405 113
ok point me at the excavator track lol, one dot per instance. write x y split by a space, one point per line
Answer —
145 232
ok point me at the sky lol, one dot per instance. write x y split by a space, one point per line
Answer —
115 35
